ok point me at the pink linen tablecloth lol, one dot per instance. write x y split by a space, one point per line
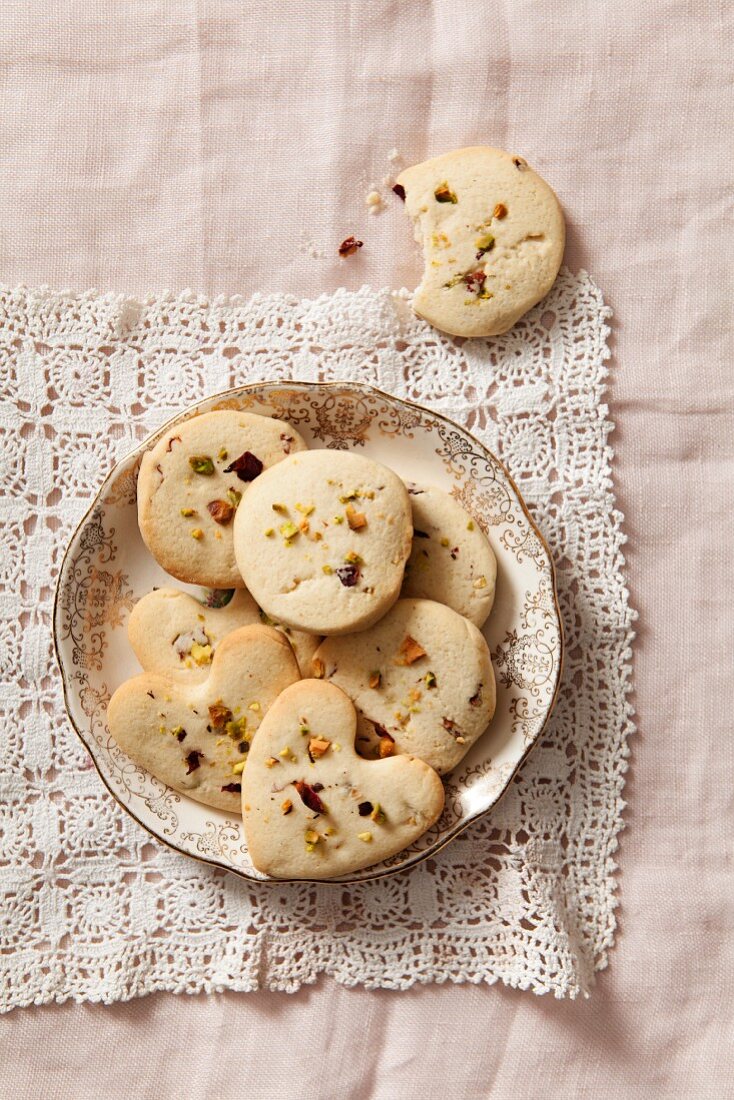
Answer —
228 147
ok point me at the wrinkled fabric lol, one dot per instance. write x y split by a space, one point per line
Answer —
229 148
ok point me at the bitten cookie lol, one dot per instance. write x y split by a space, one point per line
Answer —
451 560
311 807
493 236
175 635
191 483
322 540
423 675
195 738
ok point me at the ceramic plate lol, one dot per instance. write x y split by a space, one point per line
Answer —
107 568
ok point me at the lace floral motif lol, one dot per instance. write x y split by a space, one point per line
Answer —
93 908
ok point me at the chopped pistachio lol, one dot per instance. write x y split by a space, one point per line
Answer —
480 582
234 497
187 512
255 706
338 519
288 530
378 814
287 753
269 532
375 679
484 243
430 679
356 520
305 509
239 767
470 525
271 762
353 558
319 668
410 651
443 193
286 806
366 837
444 542
311 836
317 746
327 569
202 464
317 536
202 654
303 728
222 454
281 508
197 533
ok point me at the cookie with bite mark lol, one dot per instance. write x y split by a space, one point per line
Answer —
492 233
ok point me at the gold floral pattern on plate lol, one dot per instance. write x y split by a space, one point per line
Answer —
107 568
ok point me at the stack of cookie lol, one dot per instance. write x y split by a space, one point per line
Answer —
335 669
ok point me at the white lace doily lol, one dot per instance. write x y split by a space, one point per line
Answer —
92 908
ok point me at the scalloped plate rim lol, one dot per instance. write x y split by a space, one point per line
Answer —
92 748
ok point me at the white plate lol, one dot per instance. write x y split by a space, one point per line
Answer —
107 568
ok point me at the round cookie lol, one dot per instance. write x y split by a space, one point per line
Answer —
423 675
191 482
311 807
451 560
493 236
322 539
175 635
195 737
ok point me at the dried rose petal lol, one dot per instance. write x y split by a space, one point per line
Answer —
399 191
232 788
365 809
348 575
475 281
309 797
220 511
247 467
181 735
349 246
193 761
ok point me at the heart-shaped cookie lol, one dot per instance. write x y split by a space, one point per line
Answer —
423 675
195 738
311 807
175 635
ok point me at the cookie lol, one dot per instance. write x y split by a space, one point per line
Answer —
175 635
311 807
423 674
190 485
322 540
493 236
195 738
451 560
